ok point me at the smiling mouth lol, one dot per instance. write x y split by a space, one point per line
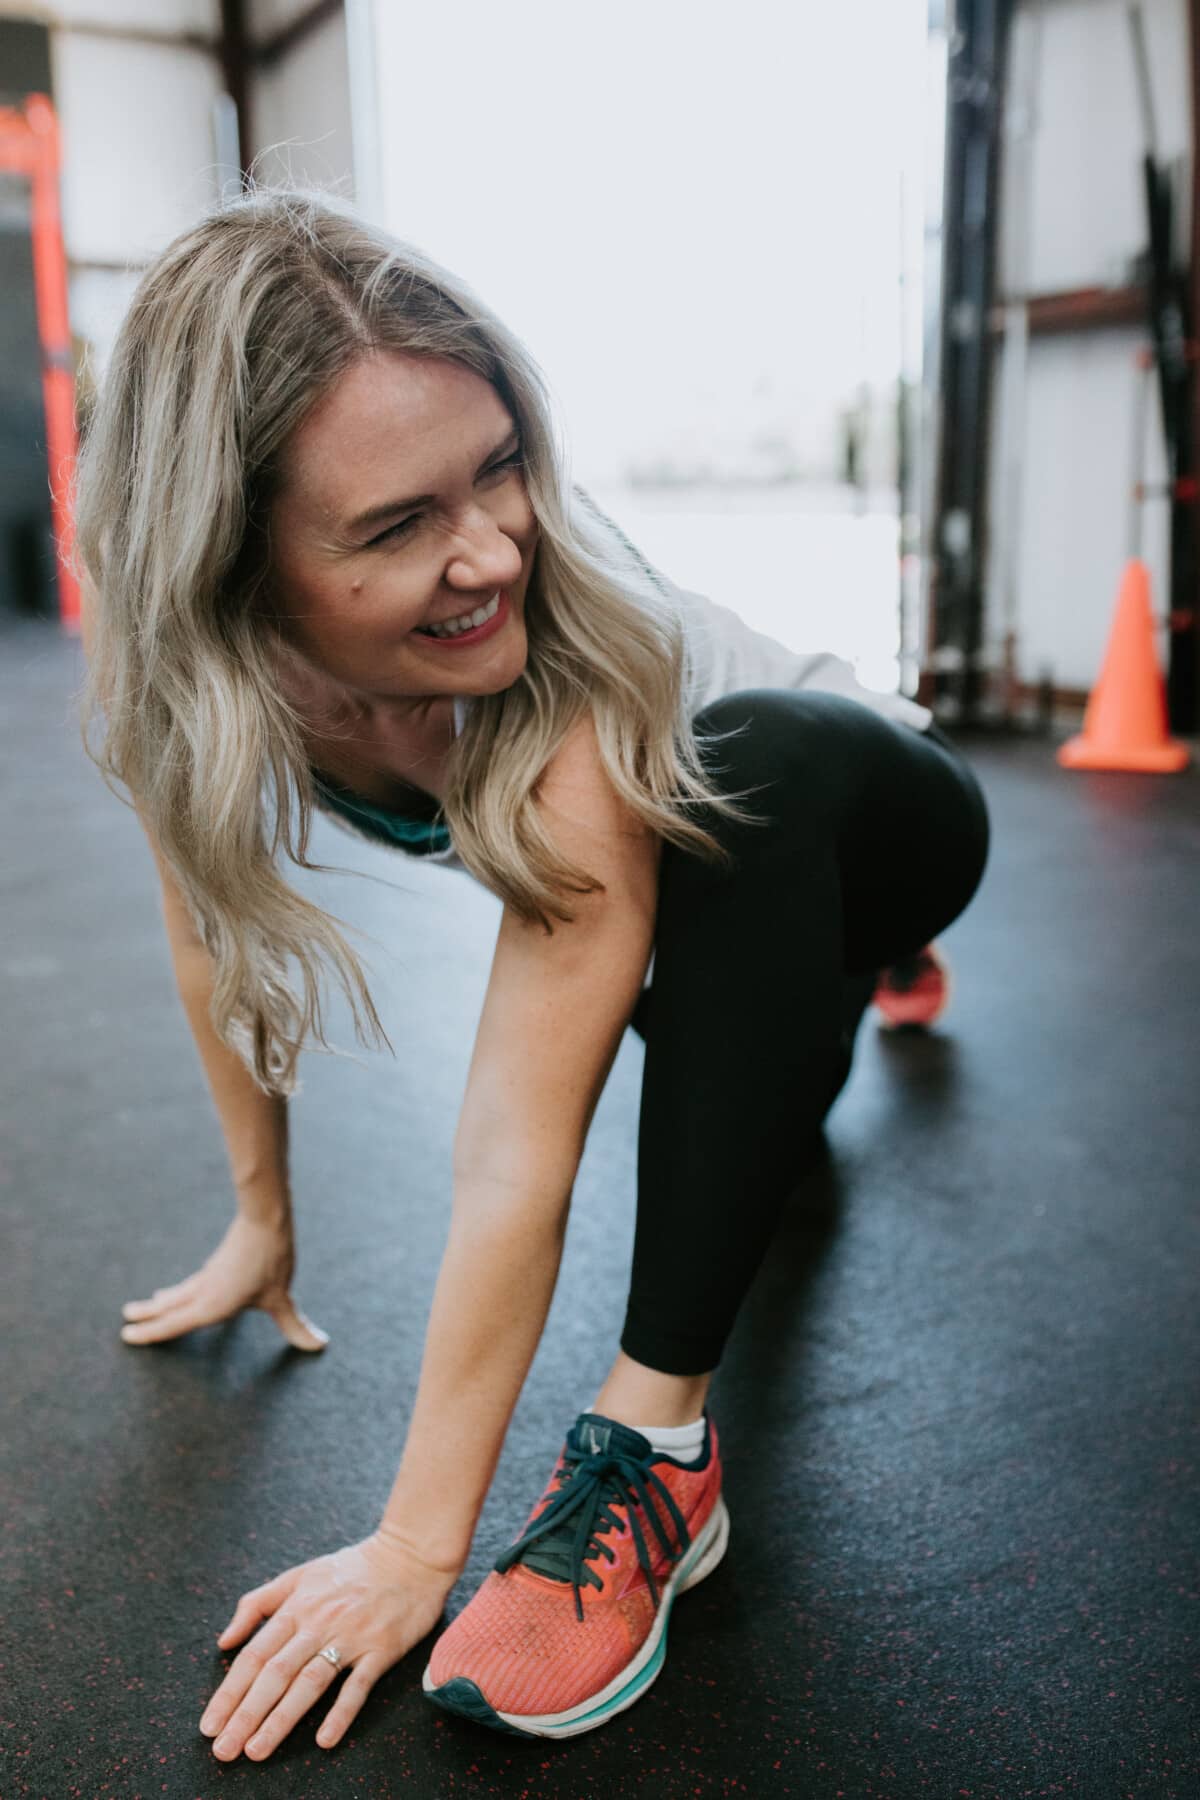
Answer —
463 624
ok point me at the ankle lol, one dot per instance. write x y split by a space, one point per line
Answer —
639 1396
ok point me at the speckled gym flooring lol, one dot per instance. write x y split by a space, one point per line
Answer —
960 1413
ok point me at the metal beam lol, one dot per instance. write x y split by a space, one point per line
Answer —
1189 680
259 54
236 57
159 36
1076 309
270 50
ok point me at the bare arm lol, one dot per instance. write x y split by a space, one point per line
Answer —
253 1124
552 1021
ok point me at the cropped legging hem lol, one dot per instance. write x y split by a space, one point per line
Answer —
876 839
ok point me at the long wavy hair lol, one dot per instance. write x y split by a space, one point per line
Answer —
233 333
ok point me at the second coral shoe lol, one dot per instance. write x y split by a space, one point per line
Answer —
914 991
570 1627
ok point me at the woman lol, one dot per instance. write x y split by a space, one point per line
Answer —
332 560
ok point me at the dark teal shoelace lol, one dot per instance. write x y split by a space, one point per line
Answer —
605 1466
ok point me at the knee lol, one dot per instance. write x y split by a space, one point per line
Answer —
760 736
976 841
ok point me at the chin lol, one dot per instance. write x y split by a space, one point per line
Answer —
510 670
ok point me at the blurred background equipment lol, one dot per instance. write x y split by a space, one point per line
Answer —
1125 725
32 321
132 115
1172 324
1069 253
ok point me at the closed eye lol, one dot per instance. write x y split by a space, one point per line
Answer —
506 466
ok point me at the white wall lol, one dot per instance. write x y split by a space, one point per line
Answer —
1055 571
139 151
137 142
301 105
1063 452
137 146
687 210
268 16
148 15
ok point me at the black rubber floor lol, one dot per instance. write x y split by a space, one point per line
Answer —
959 1415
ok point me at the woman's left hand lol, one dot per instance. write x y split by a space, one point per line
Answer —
372 1601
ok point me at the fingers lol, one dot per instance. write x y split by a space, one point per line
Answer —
260 1674
287 1687
166 1315
299 1330
172 1322
355 1688
168 1296
257 1605
307 1676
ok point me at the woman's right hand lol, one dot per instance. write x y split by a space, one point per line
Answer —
251 1267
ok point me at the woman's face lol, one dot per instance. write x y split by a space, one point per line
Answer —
425 449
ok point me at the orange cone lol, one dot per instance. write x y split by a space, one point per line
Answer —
1125 725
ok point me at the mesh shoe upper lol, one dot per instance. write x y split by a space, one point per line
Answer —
572 1600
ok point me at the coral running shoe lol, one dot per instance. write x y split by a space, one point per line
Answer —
570 1627
914 991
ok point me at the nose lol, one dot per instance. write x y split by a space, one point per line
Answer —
485 556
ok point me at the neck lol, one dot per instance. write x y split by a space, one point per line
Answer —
326 701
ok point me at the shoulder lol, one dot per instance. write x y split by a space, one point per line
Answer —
590 822
576 785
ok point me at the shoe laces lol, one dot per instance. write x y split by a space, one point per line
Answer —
567 1536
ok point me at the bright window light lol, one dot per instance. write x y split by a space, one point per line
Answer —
696 218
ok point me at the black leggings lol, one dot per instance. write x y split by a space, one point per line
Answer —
878 839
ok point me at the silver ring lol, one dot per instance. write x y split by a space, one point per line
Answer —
331 1655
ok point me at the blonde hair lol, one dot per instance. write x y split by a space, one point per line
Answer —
241 324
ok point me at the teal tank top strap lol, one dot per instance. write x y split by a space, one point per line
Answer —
418 836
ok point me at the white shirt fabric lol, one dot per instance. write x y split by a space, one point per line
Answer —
731 655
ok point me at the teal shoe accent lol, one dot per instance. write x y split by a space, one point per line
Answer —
463 1697
642 1679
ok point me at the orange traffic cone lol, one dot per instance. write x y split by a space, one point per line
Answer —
1125 725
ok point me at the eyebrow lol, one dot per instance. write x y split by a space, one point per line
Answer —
375 515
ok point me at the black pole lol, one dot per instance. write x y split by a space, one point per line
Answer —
974 98
1168 308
